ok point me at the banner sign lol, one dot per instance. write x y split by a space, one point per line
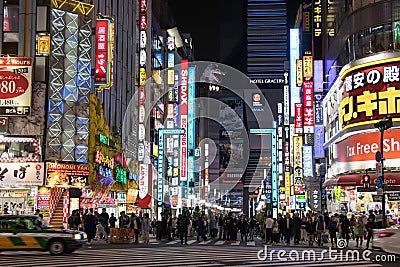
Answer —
298 118
104 53
16 86
15 173
308 94
297 159
60 174
191 108
184 119
370 93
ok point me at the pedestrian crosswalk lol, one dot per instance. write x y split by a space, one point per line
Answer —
174 256
209 242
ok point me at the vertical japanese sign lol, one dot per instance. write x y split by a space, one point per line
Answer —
307 67
298 160
274 172
104 53
308 94
191 107
184 118
16 86
298 118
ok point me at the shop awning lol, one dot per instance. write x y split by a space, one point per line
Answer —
144 203
356 180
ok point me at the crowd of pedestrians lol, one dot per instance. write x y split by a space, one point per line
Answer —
312 229
315 229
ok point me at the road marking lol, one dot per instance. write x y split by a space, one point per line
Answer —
205 242
237 243
251 243
191 241
173 242
219 243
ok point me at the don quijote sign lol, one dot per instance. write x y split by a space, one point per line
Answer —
370 93
15 86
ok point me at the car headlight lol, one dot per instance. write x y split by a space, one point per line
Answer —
77 236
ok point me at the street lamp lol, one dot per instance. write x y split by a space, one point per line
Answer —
383 125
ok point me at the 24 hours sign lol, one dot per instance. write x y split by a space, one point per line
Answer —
15 86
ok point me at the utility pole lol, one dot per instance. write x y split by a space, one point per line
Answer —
382 126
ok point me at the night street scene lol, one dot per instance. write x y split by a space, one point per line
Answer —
199 133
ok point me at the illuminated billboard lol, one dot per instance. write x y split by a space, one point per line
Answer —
370 93
294 56
104 53
16 86
184 118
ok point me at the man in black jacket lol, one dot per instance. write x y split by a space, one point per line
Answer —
183 224
296 227
287 227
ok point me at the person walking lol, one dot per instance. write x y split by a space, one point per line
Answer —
220 226
123 220
359 231
370 226
303 231
243 226
146 225
136 226
320 229
112 221
169 227
296 228
287 228
174 226
213 226
105 217
275 232
310 228
100 231
74 221
252 226
333 228
89 223
202 229
183 224
345 228
268 223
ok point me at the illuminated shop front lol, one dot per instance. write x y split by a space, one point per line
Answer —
21 174
367 91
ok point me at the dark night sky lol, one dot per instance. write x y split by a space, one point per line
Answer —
218 28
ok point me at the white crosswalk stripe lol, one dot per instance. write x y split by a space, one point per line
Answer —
205 242
251 243
191 241
219 243
170 255
173 242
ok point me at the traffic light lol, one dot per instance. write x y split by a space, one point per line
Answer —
384 124
366 181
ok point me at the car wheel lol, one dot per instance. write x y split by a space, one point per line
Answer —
56 247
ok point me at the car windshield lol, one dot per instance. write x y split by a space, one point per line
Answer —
41 224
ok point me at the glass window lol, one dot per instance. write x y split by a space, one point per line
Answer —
11 19
12 150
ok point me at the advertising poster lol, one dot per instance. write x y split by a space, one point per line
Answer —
64 175
16 86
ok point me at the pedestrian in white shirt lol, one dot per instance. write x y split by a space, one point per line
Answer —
268 223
